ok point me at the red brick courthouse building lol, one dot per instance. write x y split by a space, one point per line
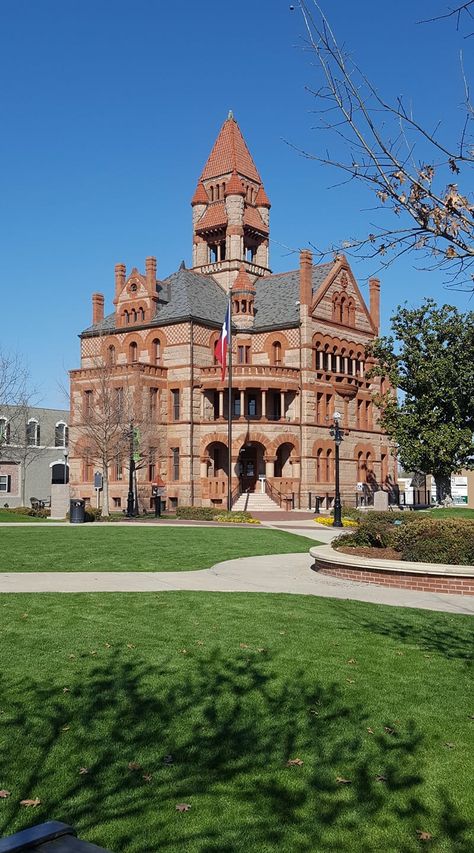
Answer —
298 356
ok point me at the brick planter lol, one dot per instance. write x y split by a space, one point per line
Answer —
423 577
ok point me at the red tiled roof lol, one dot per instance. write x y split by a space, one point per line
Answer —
262 199
214 217
253 219
242 282
200 196
230 153
234 186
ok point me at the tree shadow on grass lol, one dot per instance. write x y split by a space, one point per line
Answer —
216 733
449 636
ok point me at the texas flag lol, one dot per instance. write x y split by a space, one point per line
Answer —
220 349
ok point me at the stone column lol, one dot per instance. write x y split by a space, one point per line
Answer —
242 404
282 404
221 404
270 466
338 363
264 404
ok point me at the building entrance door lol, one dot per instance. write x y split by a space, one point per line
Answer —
251 465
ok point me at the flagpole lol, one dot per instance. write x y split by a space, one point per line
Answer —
229 412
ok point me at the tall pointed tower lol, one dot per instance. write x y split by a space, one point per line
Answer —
230 212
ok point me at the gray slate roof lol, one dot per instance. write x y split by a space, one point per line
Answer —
188 294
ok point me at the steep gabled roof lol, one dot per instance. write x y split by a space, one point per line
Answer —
230 153
214 217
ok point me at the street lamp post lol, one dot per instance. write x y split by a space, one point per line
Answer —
336 434
66 454
131 470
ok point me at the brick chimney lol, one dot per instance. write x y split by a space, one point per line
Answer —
120 271
306 277
374 290
97 307
150 267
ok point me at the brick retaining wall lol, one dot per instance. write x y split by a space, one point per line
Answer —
418 581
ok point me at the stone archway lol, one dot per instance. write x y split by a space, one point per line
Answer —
251 464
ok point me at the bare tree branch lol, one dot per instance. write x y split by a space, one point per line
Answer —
409 169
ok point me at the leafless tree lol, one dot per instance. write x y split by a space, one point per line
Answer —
117 426
420 182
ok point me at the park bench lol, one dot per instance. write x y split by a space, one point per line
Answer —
50 837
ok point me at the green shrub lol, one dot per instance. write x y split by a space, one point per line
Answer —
371 533
437 540
28 510
93 513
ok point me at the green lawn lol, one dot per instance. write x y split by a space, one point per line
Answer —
231 687
13 517
452 512
92 548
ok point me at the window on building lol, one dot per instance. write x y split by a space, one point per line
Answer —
111 355
4 431
118 403
175 463
360 414
5 483
156 351
61 435
88 465
329 466
329 407
118 467
368 414
117 502
236 407
87 405
175 404
276 353
141 313
134 315
126 317
243 355
243 306
33 433
252 406
319 407
319 466
153 403
151 463
133 352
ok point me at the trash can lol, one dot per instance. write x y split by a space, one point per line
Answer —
77 511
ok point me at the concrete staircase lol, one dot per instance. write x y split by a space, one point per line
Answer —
255 502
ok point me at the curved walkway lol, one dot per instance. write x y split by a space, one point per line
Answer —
282 573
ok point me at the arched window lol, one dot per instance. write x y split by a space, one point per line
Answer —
111 355
236 304
276 353
218 192
142 315
244 306
351 313
342 310
4 431
33 433
134 315
133 352
329 466
156 351
319 467
126 317
61 434
211 190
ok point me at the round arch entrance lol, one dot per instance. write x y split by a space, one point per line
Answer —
251 465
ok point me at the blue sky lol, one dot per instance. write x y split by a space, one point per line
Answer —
109 110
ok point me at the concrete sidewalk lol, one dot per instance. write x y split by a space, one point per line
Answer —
282 573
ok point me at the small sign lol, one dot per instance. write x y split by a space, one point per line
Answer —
98 480
360 487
